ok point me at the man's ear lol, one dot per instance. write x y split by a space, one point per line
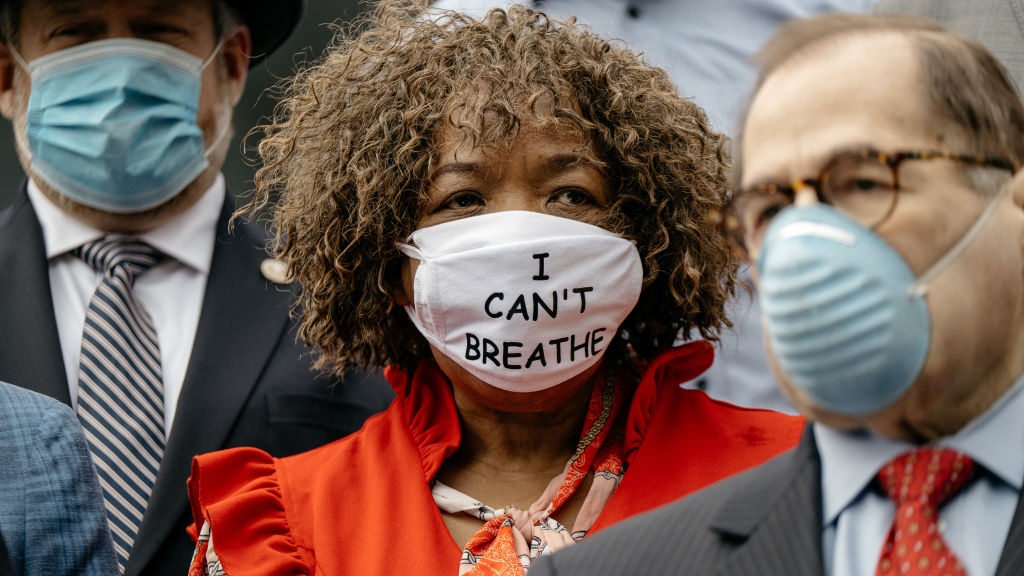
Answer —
1017 189
235 53
7 68
1017 197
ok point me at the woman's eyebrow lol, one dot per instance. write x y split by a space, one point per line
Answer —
454 168
560 162
563 160
555 163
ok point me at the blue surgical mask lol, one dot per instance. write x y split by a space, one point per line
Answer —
846 319
112 124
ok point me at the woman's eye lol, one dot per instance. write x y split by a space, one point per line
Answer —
461 201
574 197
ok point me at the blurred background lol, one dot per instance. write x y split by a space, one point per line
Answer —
308 41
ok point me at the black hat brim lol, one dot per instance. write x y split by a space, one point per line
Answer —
270 22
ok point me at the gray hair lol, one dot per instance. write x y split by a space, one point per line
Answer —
964 85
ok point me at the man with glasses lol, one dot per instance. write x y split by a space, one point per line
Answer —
879 196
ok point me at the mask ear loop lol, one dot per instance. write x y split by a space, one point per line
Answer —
20 138
410 251
216 51
223 132
17 57
416 254
920 286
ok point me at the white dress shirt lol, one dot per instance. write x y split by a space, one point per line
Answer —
171 291
974 523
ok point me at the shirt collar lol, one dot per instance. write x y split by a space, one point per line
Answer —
850 459
187 237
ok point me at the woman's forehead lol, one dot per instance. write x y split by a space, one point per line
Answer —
484 118
459 143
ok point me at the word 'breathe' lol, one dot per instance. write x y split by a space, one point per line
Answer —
509 354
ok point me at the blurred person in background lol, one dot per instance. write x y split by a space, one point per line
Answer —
123 292
52 518
881 197
996 24
514 216
704 45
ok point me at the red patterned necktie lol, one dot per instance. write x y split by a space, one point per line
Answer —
920 481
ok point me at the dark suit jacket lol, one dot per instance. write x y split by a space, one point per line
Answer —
248 382
763 522
6 569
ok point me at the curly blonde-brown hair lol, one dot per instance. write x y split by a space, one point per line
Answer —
348 152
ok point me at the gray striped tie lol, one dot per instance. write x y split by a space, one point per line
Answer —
120 387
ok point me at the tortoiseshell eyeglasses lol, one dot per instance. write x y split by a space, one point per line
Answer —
863 184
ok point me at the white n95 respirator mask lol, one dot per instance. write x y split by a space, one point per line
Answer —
522 300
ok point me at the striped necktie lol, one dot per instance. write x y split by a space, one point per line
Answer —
120 388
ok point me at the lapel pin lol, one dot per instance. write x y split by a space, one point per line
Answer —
275 270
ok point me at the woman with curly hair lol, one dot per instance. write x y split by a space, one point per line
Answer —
514 216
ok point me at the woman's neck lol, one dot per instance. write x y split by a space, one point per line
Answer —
510 458
497 439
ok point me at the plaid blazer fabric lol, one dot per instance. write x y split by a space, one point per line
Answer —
51 514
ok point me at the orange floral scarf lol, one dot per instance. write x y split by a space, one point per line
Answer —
511 538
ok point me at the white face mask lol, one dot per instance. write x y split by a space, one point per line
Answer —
522 300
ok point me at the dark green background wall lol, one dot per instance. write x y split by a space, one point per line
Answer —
307 42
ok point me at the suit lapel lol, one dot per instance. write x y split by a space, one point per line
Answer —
777 520
221 372
30 353
1011 563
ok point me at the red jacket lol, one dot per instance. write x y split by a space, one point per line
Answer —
362 504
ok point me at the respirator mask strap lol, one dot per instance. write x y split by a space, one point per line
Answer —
920 286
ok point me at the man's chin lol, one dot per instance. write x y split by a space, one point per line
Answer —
809 408
123 222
